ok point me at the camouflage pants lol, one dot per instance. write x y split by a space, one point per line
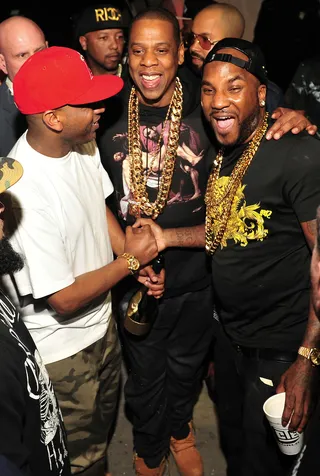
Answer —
87 387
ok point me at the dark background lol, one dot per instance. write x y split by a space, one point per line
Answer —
288 31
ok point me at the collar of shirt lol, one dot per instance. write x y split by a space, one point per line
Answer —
9 84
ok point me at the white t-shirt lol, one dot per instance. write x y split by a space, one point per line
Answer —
62 232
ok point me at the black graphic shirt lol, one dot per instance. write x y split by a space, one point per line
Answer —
186 269
261 272
31 429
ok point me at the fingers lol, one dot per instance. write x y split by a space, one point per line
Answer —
312 129
289 120
285 124
305 415
141 222
288 408
137 223
157 289
276 114
151 274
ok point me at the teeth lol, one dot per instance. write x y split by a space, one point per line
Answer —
150 77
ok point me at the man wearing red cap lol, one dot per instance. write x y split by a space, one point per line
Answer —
67 238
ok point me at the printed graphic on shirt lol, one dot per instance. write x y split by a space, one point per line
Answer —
50 418
185 185
39 388
246 222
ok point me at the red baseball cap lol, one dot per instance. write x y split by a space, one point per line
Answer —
57 76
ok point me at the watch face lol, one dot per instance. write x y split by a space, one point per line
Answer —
135 264
315 356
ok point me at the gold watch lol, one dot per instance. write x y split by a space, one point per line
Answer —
132 262
311 354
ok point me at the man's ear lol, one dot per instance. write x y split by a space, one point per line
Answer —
3 65
181 54
83 42
262 94
52 120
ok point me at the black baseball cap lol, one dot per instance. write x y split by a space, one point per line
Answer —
99 17
255 65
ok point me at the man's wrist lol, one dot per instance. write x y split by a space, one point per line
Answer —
132 262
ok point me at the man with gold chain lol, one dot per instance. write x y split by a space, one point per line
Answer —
164 122
261 204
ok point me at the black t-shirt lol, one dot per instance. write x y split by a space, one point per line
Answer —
186 269
261 274
32 435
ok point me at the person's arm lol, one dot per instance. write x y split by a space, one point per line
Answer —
298 380
289 120
184 237
88 286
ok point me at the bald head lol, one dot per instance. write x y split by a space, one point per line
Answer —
217 21
20 38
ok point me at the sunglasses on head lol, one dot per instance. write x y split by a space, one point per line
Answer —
203 41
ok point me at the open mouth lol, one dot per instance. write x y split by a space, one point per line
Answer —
223 124
150 81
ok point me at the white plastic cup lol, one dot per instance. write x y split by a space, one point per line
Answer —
289 442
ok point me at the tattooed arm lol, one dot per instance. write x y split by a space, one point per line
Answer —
189 237
309 229
297 381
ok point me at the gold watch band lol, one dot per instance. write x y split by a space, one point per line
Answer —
132 262
312 354
305 352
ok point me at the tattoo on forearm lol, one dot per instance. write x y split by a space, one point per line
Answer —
312 227
190 237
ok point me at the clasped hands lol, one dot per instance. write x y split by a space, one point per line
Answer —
141 241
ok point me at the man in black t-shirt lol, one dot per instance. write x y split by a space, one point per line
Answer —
260 218
164 367
32 434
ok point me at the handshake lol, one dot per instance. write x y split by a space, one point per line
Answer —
144 240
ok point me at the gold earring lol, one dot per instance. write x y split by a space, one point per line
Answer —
262 103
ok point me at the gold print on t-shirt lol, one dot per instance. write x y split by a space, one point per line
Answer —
246 222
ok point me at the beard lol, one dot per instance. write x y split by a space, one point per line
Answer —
10 260
248 126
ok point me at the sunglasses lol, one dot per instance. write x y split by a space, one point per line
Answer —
203 41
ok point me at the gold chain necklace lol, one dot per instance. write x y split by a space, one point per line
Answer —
218 206
157 150
138 178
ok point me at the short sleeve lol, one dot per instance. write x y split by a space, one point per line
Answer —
106 182
38 239
302 178
91 150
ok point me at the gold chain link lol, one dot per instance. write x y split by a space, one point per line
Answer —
138 178
218 205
